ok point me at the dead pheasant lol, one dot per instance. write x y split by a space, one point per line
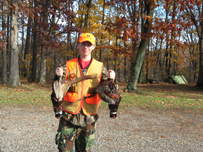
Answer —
108 93
60 87
106 90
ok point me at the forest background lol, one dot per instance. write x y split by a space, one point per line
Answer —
139 39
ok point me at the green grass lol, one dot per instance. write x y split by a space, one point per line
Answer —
160 96
149 96
160 101
26 94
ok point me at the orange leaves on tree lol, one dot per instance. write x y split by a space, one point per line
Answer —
182 8
52 12
123 20
165 7
199 3
119 31
129 32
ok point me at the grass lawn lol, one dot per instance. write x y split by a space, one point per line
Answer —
165 95
150 96
26 94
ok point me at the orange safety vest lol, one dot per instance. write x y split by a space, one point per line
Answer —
72 103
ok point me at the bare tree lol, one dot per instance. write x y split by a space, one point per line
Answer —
27 46
137 65
34 54
42 76
196 18
14 78
4 52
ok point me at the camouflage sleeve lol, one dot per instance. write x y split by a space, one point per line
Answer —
104 74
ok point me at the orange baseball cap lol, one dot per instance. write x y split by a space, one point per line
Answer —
87 37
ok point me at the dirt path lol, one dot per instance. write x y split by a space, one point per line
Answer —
33 129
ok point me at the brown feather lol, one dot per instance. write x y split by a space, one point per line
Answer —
108 92
60 86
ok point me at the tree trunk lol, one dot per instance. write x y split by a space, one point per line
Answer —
125 69
22 52
87 15
34 54
68 33
27 48
194 62
147 64
8 45
4 52
140 79
200 78
100 51
42 76
199 30
173 37
167 70
14 78
157 59
135 71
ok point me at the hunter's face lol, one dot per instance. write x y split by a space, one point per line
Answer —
85 49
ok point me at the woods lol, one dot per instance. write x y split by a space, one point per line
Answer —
139 39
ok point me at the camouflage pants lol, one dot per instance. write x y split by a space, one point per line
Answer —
68 134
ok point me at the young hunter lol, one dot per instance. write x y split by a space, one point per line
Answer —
79 114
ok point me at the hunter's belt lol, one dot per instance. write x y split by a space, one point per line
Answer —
63 122
72 89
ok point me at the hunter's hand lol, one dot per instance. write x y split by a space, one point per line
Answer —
58 114
59 71
111 74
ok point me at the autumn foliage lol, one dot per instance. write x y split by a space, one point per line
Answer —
118 26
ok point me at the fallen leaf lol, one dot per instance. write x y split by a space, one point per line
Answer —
182 142
107 139
44 125
4 128
44 107
8 117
